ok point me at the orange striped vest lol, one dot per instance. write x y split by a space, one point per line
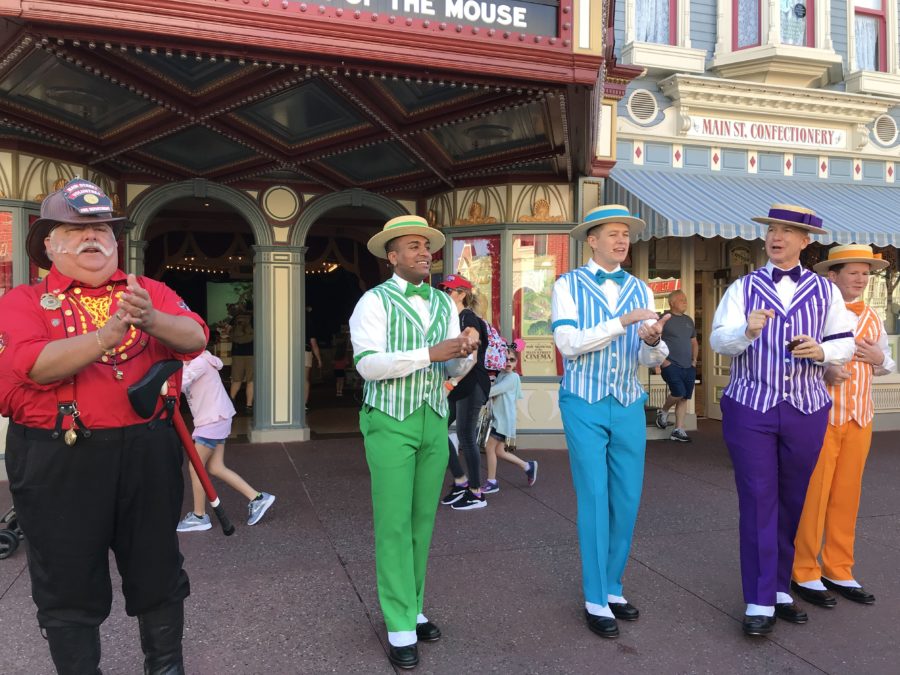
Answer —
853 398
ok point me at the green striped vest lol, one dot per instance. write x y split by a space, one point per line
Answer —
401 396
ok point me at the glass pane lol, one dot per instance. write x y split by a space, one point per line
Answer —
538 260
869 4
6 249
652 19
793 22
747 23
35 273
478 260
867 42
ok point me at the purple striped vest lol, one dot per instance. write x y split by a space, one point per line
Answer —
766 374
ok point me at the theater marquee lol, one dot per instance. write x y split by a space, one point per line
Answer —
537 17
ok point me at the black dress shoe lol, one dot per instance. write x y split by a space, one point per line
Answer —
814 597
404 657
757 625
859 595
624 611
790 612
428 632
602 625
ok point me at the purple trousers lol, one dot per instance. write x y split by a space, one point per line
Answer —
774 454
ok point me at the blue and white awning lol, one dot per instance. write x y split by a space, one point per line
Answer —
682 204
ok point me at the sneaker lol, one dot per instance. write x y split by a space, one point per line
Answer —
469 501
531 473
490 487
680 436
194 523
662 418
455 494
258 507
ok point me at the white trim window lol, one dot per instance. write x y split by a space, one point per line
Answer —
658 37
870 28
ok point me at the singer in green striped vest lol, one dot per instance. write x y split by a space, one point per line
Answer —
406 341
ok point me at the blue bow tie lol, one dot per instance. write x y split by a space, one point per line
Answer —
422 290
618 276
794 274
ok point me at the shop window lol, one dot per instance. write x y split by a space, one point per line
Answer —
655 21
478 260
746 23
798 23
6 250
870 26
537 261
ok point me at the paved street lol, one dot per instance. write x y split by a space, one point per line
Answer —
296 593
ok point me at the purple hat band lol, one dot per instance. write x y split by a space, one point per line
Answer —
795 217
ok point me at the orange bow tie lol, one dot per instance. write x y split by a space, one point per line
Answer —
856 307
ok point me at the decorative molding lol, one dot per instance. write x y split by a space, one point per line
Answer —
727 96
657 58
677 156
788 163
823 166
715 158
752 161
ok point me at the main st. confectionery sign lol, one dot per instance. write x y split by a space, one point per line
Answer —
535 17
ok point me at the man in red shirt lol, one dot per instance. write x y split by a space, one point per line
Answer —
86 473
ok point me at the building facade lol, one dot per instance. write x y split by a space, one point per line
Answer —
745 103
261 142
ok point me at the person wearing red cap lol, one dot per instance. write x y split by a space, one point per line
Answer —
86 473
466 400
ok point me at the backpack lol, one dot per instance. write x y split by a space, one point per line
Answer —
495 351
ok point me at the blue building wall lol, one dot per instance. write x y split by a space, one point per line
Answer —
703 26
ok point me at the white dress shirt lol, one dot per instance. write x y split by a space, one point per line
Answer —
368 331
572 342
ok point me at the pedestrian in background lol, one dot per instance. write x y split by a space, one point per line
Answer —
212 410
679 370
242 357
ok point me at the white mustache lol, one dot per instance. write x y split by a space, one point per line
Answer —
83 246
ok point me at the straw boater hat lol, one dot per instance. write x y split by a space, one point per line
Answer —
851 253
611 213
402 226
80 202
795 216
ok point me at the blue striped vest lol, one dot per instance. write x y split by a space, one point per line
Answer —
611 371
766 374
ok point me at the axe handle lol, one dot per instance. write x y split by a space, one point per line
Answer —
185 437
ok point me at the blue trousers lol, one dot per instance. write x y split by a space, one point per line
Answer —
606 443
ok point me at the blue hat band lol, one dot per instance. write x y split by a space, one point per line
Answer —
607 213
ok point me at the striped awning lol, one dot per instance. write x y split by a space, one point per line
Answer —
682 204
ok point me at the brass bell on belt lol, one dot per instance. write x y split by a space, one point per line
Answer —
70 437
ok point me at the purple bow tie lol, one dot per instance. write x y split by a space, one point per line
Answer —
794 274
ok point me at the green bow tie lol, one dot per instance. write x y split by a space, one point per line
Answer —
422 290
618 276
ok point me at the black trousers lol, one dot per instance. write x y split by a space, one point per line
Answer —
121 489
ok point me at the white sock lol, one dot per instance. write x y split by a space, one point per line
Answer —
598 610
850 583
421 618
402 638
760 610
814 585
616 599
783 598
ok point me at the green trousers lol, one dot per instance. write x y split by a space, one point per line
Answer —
407 461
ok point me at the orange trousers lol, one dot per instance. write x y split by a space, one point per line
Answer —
832 504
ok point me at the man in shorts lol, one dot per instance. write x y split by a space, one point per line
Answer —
679 370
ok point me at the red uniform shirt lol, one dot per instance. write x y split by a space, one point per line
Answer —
59 307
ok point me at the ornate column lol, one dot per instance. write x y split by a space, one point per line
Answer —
135 250
279 321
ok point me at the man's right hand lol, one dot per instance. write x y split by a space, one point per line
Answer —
756 321
639 314
836 375
454 348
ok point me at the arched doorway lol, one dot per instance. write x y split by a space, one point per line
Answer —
338 270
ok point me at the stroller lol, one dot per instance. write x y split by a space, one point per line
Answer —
9 536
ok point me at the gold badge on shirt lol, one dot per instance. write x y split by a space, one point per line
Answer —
50 301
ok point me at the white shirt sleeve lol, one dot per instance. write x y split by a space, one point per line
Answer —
887 366
728 334
838 320
571 341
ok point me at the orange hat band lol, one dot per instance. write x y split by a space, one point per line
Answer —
854 254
